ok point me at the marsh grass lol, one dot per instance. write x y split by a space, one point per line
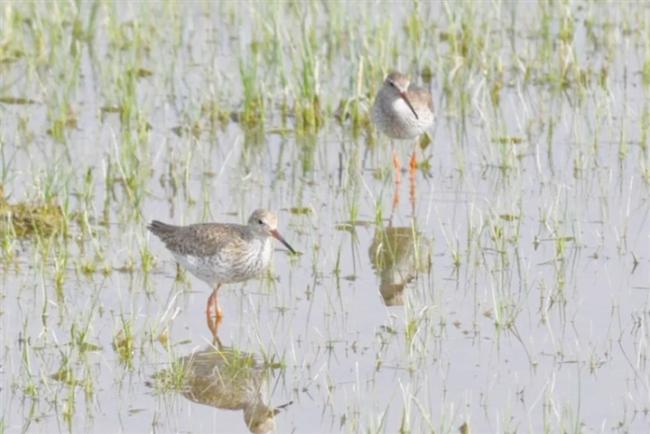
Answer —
356 108
307 107
22 219
172 379
533 208
252 115
123 343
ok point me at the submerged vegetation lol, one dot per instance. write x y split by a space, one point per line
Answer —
507 290
22 219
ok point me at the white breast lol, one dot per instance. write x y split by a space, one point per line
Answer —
393 117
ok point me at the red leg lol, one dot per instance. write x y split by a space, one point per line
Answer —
413 167
413 164
219 315
215 336
395 198
213 312
397 165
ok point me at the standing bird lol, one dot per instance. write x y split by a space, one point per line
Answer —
402 111
219 253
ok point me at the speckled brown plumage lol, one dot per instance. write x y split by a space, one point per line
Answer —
219 253
201 239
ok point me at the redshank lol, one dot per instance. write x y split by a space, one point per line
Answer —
402 111
397 254
219 253
225 378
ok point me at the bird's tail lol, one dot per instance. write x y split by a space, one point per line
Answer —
161 229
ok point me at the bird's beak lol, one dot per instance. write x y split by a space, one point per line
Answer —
277 409
408 103
278 237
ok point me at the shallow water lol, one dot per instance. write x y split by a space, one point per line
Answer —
519 282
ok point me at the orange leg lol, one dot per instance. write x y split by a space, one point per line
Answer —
397 165
413 167
395 198
213 313
413 164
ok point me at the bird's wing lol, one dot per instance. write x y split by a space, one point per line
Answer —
204 239
422 94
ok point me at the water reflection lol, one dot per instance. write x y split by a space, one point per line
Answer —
396 254
224 378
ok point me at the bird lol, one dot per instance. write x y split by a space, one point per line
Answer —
225 378
402 111
221 253
397 254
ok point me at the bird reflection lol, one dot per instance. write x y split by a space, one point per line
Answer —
396 254
224 378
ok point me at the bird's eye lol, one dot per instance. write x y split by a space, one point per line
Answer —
260 221
391 83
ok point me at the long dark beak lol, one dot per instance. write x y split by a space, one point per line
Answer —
408 103
277 409
278 237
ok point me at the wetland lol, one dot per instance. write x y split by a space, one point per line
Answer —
503 288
